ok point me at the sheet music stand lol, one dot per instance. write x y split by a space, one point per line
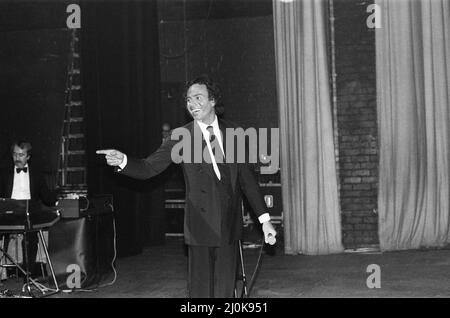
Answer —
15 217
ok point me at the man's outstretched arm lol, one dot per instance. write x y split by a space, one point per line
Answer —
142 169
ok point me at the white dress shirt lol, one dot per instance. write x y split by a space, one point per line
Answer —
21 185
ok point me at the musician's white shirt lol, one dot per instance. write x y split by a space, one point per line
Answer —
21 185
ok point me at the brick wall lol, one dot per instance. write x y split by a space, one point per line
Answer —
357 123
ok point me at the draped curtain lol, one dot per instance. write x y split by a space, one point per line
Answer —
121 87
413 87
308 167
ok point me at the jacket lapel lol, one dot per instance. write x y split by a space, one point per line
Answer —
196 134
207 167
231 161
30 176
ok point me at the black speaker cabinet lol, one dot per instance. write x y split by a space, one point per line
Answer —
93 205
69 208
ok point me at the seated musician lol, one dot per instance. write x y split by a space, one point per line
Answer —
23 181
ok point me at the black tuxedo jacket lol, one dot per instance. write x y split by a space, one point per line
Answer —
39 190
206 221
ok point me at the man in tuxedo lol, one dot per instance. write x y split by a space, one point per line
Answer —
22 181
213 217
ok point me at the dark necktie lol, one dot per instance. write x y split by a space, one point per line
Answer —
215 146
18 170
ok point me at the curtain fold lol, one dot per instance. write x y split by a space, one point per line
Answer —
308 167
121 87
413 85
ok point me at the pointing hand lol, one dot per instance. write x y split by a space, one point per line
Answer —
113 157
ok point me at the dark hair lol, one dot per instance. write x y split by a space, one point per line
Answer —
22 144
214 91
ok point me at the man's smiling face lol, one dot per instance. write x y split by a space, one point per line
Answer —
199 105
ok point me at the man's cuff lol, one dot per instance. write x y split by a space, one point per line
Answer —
124 163
264 217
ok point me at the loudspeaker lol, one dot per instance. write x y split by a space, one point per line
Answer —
93 205
69 208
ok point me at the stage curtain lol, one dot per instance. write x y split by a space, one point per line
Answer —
413 87
308 167
121 86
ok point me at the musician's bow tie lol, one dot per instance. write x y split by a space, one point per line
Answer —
18 170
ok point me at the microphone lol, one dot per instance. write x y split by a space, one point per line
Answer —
271 240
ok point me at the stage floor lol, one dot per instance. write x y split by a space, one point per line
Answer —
160 272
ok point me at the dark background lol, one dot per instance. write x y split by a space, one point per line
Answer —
33 63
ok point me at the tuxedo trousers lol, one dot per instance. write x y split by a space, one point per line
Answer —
212 271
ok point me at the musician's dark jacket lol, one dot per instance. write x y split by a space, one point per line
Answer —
39 190
208 221
39 193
